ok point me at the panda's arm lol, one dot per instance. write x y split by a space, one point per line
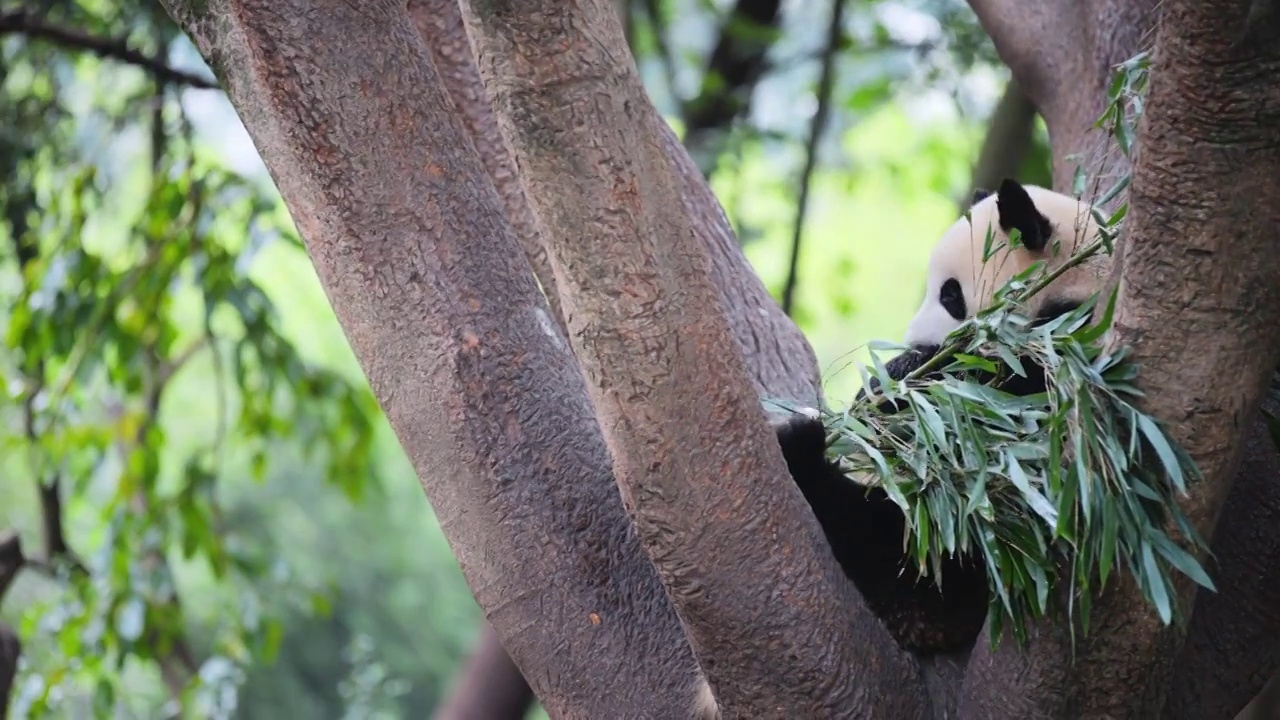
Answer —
856 523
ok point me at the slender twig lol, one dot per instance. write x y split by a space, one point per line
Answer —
20 22
826 80
56 547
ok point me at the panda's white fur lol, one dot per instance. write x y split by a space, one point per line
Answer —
1052 226
958 255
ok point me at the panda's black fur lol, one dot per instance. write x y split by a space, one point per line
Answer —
865 528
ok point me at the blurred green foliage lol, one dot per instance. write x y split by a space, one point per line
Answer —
238 527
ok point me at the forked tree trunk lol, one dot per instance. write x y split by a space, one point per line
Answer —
366 140
702 479
776 354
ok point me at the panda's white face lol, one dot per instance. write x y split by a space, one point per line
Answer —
959 283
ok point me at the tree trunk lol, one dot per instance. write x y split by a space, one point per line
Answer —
413 247
701 480
1009 136
777 354
488 686
1199 304
10 651
389 167
1209 321
11 562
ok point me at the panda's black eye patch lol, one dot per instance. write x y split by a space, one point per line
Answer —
952 299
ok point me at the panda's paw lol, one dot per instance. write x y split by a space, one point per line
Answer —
801 433
795 417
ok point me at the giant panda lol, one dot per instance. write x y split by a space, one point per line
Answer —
863 527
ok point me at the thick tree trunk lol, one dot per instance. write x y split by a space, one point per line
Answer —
1193 319
1233 644
425 274
1267 705
779 358
1199 303
379 166
1061 53
703 480
440 24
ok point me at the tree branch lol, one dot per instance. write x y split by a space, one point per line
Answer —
1009 136
11 559
1201 290
826 79
426 276
488 686
781 361
1062 55
736 63
11 563
1233 643
1041 42
701 480
1266 705
10 651
19 22
56 548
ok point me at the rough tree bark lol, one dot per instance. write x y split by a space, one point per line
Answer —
702 480
1185 244
383 98
1199 304
419 259
777 355
1061 53
411 242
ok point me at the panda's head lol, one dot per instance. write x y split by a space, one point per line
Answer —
960 282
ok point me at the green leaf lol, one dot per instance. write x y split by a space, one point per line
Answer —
1182 560
1155 582
1157 441
1050 488
1039 503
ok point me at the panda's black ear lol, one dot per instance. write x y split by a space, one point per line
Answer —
979 194
1016 210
